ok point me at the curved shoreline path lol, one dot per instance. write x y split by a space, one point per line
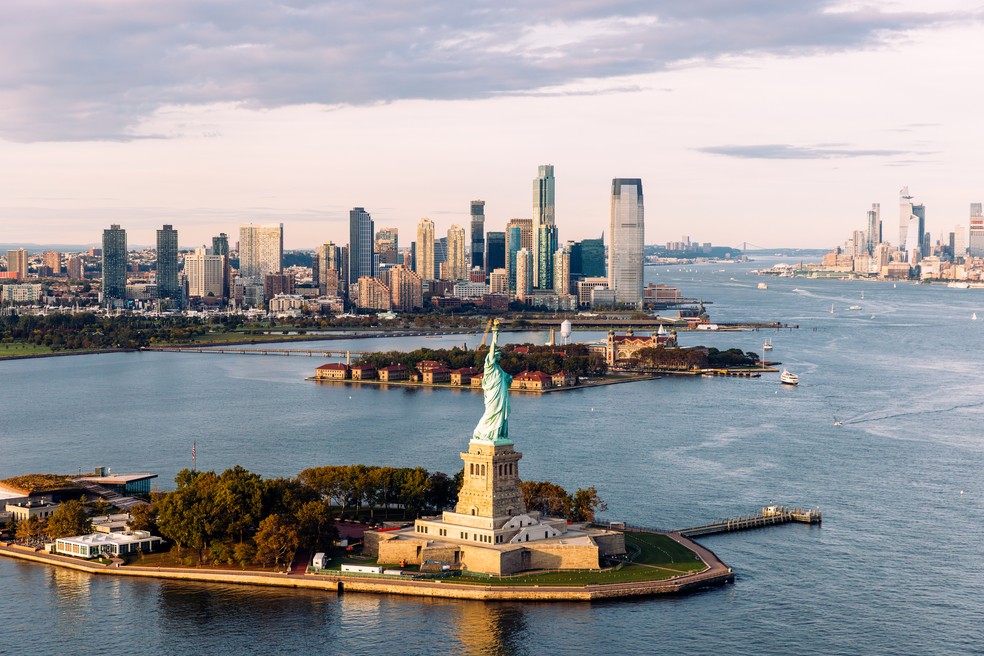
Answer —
716 573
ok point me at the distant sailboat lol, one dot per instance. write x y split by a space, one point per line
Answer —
973 317
831 308
862 295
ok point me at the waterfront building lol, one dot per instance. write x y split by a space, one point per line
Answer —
406 289
261 250
524 273
363 372
393 372
360 260
167 264
205 273
53 261
562 270
424 256
627 231
544 219
17 263
113 265
535 381
115 544
478 234
621 349
463 376
332 371
495 251
388 245
457 268
373 294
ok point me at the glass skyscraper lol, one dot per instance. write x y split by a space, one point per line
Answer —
114 265
588 258
361 233
627 231
167 263
478 234
495 250
544 214
261 250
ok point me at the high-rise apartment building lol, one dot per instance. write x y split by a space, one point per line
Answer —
495 250
498 281
406 289
205 273
53 261
17 263
562 270
425 249
544 214
373 294
478 234
75 268
167 263
361 233
524 273
113 265
627 233
261 250
440 257
519 234
905 213
220 247
329 258
457 263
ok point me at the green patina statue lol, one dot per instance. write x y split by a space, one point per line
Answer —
494 425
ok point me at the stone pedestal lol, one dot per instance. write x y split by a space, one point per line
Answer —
491 482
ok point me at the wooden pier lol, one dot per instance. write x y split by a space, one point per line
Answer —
769 516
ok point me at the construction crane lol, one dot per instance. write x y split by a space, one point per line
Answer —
485 335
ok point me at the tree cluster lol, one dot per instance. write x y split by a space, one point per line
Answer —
354 487
697 357
572 358
69 519
552 499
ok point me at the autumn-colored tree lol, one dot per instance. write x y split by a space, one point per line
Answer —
69 519
276 541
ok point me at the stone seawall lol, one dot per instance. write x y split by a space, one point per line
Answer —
429 588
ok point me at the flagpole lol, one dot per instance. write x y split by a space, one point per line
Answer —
194 455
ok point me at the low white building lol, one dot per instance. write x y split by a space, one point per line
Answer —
40 508
115 544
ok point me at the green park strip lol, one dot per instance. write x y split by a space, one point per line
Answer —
22 349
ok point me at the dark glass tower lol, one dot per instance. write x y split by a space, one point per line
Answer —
114 265
361 234
167 263
495 250
478 234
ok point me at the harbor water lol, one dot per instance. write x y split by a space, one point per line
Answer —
896 568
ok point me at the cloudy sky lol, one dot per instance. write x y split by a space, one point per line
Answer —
775 122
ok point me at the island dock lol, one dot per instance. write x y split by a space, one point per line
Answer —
239 350
769 516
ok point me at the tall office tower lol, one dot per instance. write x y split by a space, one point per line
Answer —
457 263
361 232
905 211
544 214
524 273
406 289
519 234
478 234
425 249
388 245
205 273
17 263
440 255
874 227
546 244
52 260
220 247
913 249
588 258
919 211
167 263
627 230
562 270
75 269
976 231
261 250
495 250
329 268
114 265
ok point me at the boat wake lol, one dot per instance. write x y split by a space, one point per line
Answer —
864 419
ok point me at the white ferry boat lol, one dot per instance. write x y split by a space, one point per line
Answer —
767 346
788 378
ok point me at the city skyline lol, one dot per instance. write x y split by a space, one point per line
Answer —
780 137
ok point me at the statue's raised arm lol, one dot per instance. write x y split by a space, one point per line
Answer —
494 425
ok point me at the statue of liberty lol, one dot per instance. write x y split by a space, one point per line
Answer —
494 425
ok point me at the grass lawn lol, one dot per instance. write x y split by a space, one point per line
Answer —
22 348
